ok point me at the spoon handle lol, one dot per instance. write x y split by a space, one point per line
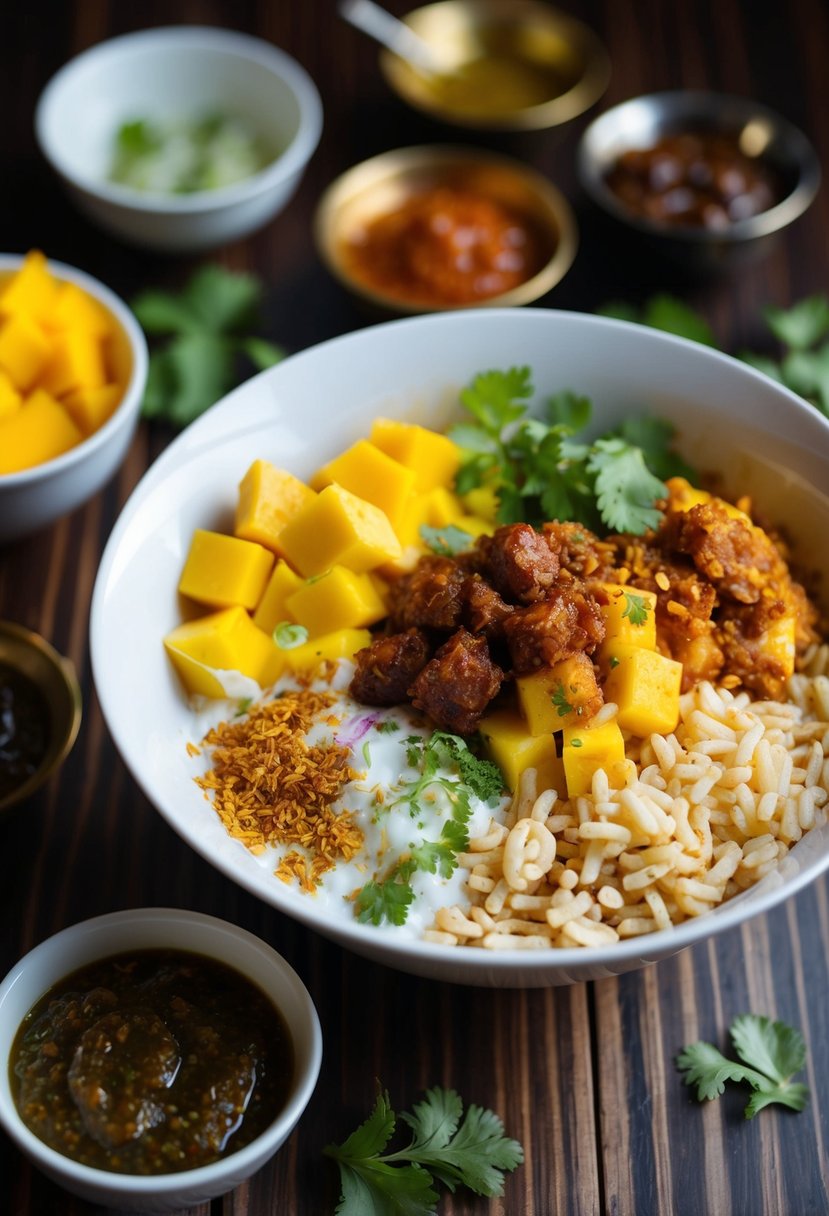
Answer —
390 31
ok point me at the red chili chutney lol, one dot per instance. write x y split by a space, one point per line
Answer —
696 179
446 246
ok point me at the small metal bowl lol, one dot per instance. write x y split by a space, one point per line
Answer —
379 185
509 65
640 123
54 677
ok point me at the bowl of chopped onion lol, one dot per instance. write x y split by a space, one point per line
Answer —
516 672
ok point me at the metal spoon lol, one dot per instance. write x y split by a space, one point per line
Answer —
393 34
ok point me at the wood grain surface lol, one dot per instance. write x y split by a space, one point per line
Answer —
583 1076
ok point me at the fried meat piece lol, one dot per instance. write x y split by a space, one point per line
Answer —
520 563
387 667
580 552
430 597
568 620
733 554
484 610
458 683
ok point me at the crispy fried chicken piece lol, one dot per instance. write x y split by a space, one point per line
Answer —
580 552
387 667
566 621
484 610
520 563
457 684
430 597
734 555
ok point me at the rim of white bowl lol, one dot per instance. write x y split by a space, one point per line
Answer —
194 38
154 1185
352 934
130 403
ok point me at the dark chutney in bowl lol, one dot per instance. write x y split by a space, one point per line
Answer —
151 1062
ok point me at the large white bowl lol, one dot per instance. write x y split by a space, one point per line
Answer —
764 440
38 496
157 929
165 74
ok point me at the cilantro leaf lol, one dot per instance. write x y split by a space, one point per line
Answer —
802 325
807 373
455 1149
262 353
223 301
625 488
201 366
673 316
384 901
447 541
771 1052
560 702
636 608
569 410
495 397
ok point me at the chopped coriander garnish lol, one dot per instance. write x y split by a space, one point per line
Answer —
614 662
772 1053
636 608
288 635
446 1146
575 743
560 702
242 706
387 727
448 541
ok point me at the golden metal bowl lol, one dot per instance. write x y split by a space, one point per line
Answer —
54 677
378 186
505 64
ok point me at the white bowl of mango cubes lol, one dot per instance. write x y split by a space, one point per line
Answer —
730 420
73 365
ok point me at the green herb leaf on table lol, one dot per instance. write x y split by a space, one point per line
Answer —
446 1146
802 325
208 329
771 1053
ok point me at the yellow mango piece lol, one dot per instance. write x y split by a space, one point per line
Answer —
683 496
365 470
223 570
629 616
269 498
73 308
341 644
31 290
10 398
76 361
483 502
24 350
339 529
39 431
433 458
223 641
778 643
475 525
588 748
513 749
338 599
272 607
645 685
554 697
90 407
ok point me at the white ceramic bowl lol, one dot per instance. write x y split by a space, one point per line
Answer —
763 439
38 496
169 73
159 928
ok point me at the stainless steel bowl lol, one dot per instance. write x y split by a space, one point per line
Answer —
761 133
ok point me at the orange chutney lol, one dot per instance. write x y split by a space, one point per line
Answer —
445 246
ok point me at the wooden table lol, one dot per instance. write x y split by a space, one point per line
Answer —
584 1076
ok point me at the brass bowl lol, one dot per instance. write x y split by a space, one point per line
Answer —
54 677
380 185
505 64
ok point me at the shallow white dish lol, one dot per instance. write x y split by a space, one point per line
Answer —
38 496
168 73
148 929
764 440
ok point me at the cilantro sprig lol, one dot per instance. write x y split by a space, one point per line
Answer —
771 1053
447 1146
389 898
541 470
210 327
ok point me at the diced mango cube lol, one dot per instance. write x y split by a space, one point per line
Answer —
365 470
273 607
588 748
10 398
339 529
31 290
74 309
40 430
90 407
76 361
341 644
223 641
433 458
269 498
223 570
483 502
513 749
24 350
554 697
629 615
475 525
683 496
778 644
338 599
645 685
